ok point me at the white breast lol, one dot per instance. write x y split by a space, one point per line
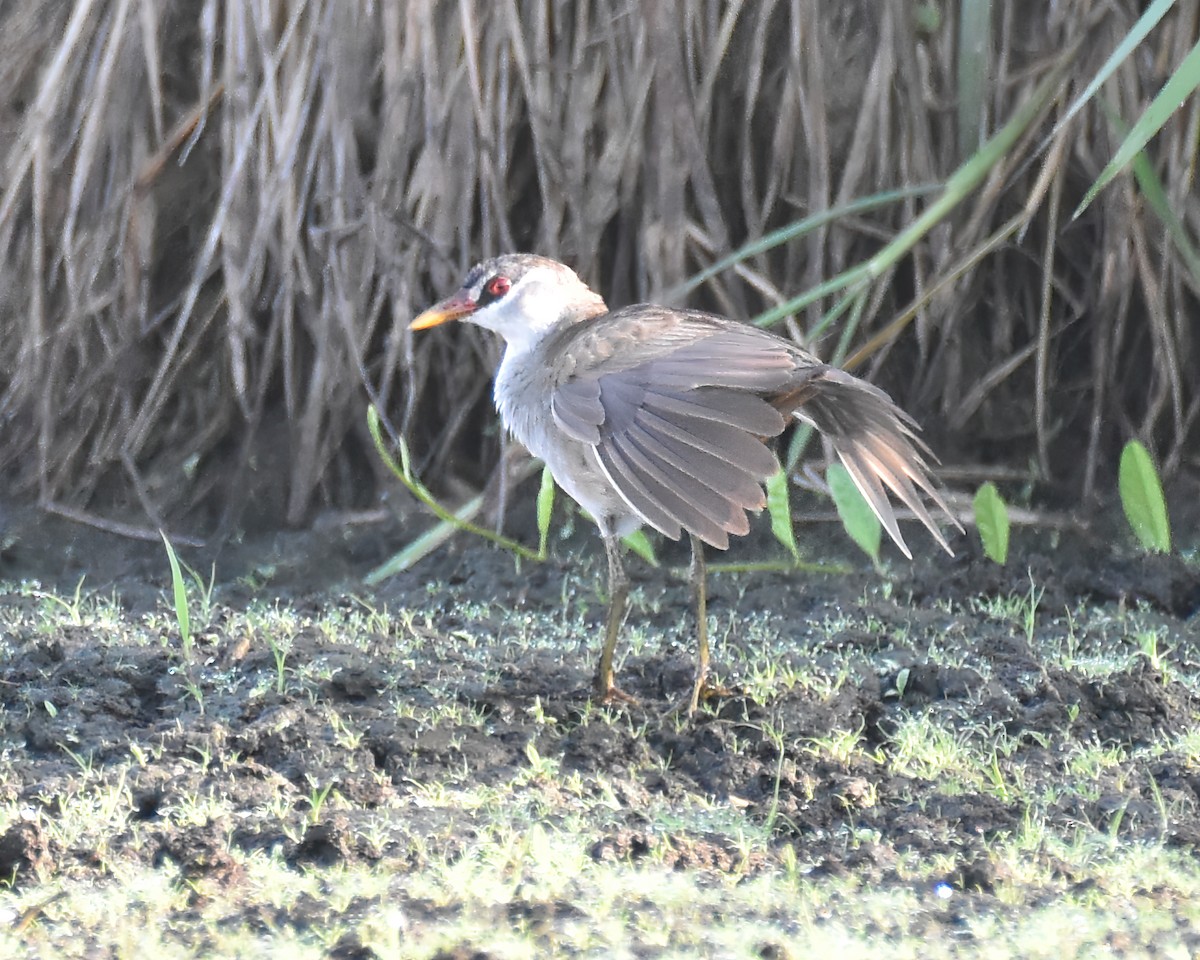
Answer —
522 394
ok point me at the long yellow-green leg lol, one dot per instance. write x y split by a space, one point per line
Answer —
698 576
618 596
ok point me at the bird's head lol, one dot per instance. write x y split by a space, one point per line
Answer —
521 296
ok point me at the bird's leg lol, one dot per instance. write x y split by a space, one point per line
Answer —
618 595
698 576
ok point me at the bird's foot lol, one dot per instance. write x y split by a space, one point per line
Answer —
609 694
702 691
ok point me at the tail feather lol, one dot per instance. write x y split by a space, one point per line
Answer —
877 443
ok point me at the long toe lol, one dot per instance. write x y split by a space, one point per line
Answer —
612 694
702 692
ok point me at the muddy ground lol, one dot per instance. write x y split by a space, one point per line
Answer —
320 724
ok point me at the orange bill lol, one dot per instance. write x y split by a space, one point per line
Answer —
456 307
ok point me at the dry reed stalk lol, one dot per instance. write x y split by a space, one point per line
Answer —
217 218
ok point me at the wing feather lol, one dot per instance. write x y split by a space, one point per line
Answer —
701 502
717 439
676 405
578 411
746 411
658 506
740 487
875 440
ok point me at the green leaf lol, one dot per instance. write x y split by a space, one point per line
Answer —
1156 196
545 510
376 430
790 232
639 543
1142 498
179 591
856 514
971 88
991 519
927 18
801 436
779 508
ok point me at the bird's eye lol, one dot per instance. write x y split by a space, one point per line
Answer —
494 289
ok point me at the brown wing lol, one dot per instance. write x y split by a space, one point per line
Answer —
673 403
676 404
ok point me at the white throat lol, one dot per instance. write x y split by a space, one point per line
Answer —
538 303
526 314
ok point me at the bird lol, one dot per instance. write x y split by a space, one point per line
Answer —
660 416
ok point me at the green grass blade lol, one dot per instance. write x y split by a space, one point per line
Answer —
974 59
1137 33
797 445
179 595
1179 86
403 472
545 510
1143 500
991 519
958 187
1155 193
376 430
856 303
798 229
856 514
425 544
779 508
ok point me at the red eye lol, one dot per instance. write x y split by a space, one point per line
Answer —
497 287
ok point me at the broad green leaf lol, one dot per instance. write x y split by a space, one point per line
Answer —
779 508
545 510
856 514
991 519
1142 498
639 543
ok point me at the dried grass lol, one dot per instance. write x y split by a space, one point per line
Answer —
217 219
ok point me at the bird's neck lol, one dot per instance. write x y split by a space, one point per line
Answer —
591 306
542 323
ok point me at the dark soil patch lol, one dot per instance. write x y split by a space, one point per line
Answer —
312 740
